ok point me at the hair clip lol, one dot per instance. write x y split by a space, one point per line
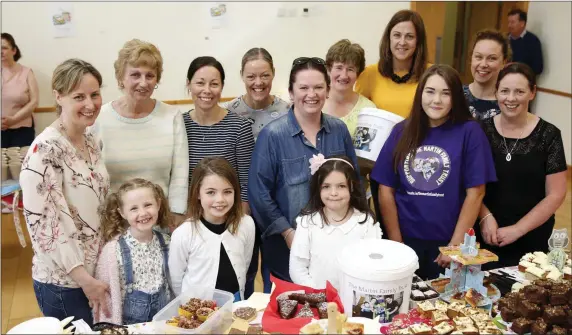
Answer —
318 160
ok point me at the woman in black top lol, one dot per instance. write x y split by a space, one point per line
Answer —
517 215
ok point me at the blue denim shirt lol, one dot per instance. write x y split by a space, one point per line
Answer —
279 177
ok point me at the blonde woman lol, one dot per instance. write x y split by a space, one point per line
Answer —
63 183
345 61
142 137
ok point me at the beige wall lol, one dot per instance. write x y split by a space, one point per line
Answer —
550 21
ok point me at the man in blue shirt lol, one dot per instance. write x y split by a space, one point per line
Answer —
526 47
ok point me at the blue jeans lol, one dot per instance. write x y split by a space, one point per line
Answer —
62 302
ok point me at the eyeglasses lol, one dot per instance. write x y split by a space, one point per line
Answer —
304 60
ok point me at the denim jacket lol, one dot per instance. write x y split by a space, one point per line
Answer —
279 177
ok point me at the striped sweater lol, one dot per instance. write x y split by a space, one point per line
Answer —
231 138
153 148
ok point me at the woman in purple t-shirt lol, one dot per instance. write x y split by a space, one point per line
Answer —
433 169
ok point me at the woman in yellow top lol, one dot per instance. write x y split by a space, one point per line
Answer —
391 83
345 61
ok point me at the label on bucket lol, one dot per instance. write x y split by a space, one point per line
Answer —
373 129
370 299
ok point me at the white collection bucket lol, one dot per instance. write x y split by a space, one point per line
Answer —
375 278
373 128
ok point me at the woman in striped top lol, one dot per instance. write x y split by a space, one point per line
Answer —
211 129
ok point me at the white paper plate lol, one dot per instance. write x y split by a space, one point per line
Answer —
245 303
44 325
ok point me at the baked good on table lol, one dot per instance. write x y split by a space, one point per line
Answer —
401 331
535 294
558 296
533 273
529 310
473 298
567 271
417 295
508 314
430 294
245 313
440 305
287 308
425 308
305 312
462 320
538 327
517 287
545 283
521 326
438 317
421 286
554 275
468 329
454 308
480 318
555 315
523 265
458 297
236 331
440 284
312 298
208 303
420 328
323 310
443 328
254 330
557 330
188 310
353 328
312 329
203 313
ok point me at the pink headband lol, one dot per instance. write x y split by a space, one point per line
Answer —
317 160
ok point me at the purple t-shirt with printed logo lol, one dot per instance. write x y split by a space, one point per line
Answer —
430 187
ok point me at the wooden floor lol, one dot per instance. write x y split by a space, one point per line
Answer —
18 299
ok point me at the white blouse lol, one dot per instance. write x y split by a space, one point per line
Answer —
194 254
146 263
313 256
61 193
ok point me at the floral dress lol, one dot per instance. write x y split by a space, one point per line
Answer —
61 195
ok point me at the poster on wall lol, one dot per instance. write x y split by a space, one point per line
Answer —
218 15
63 20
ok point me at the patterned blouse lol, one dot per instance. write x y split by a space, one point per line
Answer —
147 262
61 193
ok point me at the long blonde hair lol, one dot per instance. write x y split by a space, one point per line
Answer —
111 220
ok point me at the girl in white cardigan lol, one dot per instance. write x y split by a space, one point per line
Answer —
214 246
337 214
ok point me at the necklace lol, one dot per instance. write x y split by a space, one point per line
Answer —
208 131
508 153
63 130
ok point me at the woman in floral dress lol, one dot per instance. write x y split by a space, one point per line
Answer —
63 182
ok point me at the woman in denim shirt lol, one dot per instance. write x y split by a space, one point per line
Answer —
279 176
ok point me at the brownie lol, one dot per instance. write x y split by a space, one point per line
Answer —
417 295
511 296
558 297
556 330
529 310
312 298
235 331
521 326
305 312
508 314
535 294
430 294
323 310
555 315
545 283
539 327
254 330
506 302
287 308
